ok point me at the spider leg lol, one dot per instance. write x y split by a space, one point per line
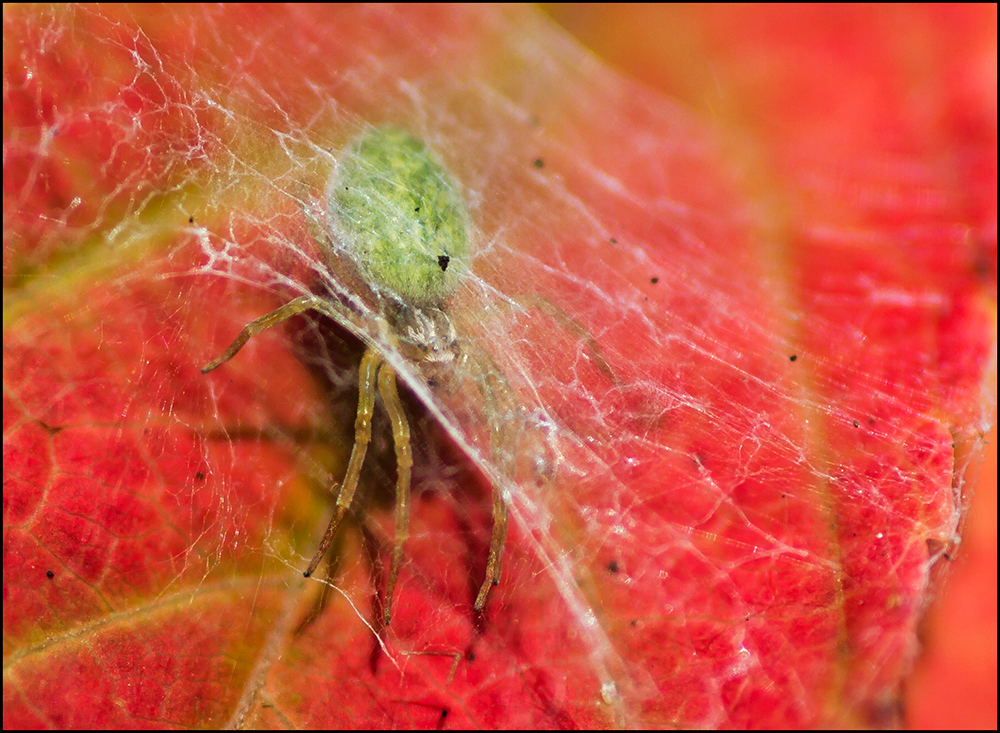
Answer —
370 363
496 391
496 548
404 462
263 323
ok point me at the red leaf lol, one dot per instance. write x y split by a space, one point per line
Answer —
739 367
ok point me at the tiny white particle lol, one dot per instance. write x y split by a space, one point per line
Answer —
609 692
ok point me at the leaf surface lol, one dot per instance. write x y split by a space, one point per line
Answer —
736 371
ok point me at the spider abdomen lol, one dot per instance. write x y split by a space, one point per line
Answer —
402 216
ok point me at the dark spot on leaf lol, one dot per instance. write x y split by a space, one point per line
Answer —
633 623
613 566
793 357
654 280
49 574
614 241
539 163
857 424
440 723
416 210
190 220
200 476
443 261
50 429
471 656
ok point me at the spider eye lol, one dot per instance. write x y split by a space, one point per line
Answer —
443 261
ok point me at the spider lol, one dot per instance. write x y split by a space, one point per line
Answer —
404 224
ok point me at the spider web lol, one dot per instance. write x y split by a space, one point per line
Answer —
731 488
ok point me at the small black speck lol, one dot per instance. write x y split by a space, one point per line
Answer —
200 476
471 656
539 163
416 210
613 241
49 574
443 261
857 424
793 357
444 713
633 623
190 220
613 566
654 280
871 421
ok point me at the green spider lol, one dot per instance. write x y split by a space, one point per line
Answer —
403 221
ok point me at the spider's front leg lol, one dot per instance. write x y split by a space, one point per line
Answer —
493 564
497 393
293 308
370 364
404 462
374 368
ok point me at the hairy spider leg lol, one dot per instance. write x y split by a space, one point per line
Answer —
367 373
373 368
292 308
370 364
496 548
404 462
495 391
